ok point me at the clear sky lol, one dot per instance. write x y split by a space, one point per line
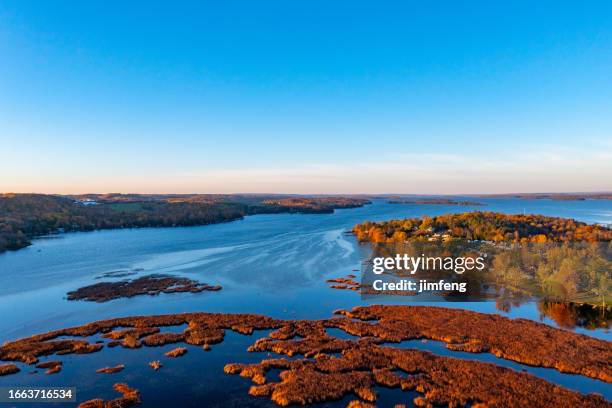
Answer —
305 96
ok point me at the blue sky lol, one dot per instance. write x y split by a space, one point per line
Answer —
305 96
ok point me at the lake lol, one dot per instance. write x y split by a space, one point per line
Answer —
268 264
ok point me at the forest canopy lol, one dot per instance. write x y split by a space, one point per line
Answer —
486 226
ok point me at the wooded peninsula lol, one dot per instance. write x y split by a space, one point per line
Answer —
26 216
485 226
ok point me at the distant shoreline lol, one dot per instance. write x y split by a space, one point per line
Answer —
24 217
435 201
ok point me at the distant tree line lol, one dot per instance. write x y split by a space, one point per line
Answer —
309 205
435 201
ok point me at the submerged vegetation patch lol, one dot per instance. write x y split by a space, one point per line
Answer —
8 369
129 398
145 285
347 282
441 381
51 367
111 370
332 368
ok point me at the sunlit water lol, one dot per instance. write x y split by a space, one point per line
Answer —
269 264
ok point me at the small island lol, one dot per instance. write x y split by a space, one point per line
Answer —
146 285
434 201
555 196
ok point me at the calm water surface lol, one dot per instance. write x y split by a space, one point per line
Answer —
270 264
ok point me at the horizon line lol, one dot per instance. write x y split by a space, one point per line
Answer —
315 194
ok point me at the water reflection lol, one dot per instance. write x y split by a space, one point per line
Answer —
571 283
571 315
